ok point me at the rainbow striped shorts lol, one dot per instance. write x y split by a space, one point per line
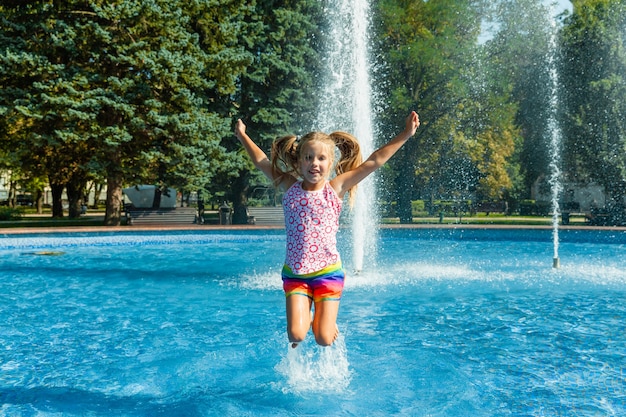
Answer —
324 285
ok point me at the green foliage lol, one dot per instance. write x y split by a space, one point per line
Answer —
436 66
147 92
594 79
10 213
417 206
123 90
534 208
276 89
519 56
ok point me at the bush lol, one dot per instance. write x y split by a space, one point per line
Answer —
417 207
449 207
10 213
390 209
387 209
527 207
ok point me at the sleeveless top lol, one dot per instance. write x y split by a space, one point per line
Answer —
311 225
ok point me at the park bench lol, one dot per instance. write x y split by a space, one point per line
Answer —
488 207
143 216
267 216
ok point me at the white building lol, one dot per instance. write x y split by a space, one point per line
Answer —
587 196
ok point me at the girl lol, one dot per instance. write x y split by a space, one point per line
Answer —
312 273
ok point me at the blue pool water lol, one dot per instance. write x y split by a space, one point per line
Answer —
445 322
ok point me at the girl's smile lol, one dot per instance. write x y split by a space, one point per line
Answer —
315 165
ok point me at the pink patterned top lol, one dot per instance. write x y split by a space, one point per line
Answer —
311 224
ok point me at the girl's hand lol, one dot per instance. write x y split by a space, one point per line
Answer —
344 182
412 122
240 128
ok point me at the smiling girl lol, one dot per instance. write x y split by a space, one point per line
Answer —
313 274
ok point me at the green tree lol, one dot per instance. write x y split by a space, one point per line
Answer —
121 91
520 53
31 76
433 62
594 94
276 91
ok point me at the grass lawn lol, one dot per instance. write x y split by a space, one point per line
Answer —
492 219
95 219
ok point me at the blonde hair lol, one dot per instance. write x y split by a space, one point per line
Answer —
286 153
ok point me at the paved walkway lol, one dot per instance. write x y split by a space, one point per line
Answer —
197 227
449 223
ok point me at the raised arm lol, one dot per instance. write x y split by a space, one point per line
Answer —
378 158
258 157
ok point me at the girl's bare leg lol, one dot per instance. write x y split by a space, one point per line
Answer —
298 318
325 322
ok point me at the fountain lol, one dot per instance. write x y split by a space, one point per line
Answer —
191 323
347 86
554 132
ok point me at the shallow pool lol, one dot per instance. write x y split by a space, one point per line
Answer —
445 322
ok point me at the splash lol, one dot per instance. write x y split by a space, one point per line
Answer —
313 369
347 86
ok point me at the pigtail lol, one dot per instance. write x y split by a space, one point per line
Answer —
285 155
284 158
350 158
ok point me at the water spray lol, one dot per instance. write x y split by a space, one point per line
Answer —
347 86
555 145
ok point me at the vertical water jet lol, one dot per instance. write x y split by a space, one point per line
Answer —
554 132
347 105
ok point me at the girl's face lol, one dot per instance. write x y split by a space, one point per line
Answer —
315 164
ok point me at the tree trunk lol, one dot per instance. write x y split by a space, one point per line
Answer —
39 201
240 200
75 197
404 183
57 200
96 196
12 194
156 200
405 212
113 215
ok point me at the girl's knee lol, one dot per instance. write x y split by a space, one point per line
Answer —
323 340
296 335
326 337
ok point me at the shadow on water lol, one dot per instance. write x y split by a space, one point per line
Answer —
72 401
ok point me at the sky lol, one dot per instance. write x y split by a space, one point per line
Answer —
561 5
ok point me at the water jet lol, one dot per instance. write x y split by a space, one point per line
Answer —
347 86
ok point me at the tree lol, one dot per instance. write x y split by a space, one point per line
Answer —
521 53
31 100
276 91
154 100
431 54
121 91
594 95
